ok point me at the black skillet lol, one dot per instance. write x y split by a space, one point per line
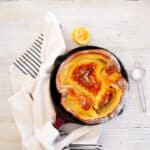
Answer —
56 96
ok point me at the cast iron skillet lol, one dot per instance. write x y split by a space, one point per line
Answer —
57 96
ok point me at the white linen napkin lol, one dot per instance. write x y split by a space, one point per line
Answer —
34 118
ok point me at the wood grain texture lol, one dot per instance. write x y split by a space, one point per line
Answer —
121 26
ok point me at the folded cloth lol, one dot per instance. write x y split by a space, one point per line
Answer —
31 103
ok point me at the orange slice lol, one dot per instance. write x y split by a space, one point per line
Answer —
80 35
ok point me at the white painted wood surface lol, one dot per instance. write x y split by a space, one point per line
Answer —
123 26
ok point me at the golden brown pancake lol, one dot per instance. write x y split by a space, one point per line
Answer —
91 84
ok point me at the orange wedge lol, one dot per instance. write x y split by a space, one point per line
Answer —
80 35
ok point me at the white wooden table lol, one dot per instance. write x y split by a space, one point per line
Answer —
121 26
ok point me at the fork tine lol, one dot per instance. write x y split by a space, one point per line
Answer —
137 64
139 61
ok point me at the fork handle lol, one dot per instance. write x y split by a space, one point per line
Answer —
83 147
142 96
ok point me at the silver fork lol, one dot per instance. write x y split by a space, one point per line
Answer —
30 61
83 147
137 74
